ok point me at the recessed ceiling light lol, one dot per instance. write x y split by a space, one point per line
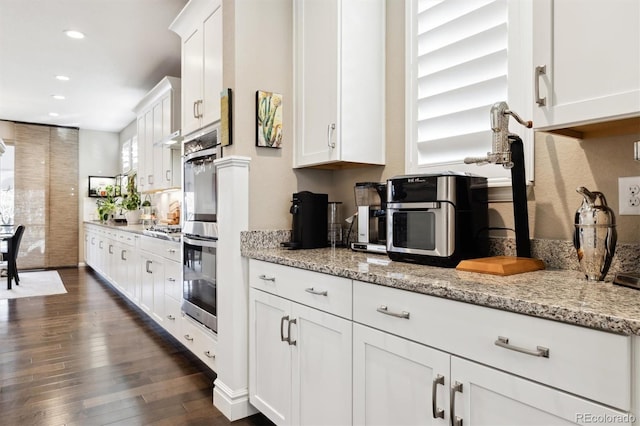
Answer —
74 34
62 78
58 97
53 114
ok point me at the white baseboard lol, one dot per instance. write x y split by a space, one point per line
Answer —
233 404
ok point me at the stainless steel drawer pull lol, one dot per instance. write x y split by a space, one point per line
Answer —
171 317
171 250
189 338
208 354
384 310
171 280
540 351
282 320
319 293
455 420
291 342
266 278
540 70
438 413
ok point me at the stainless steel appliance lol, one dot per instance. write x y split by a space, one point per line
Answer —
199 280
371 200
200 227
437 219
200 185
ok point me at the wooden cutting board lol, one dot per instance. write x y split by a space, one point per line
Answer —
501 265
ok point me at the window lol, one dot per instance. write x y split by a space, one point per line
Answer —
462 57
7 185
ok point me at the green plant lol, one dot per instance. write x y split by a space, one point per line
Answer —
131 200
108 204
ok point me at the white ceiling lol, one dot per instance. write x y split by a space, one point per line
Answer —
127 50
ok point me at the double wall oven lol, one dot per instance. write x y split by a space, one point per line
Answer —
200 228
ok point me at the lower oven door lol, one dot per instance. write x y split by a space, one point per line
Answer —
199 283
423 229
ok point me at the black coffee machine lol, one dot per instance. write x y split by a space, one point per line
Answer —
309 226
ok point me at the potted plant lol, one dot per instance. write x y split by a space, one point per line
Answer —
131 201
107 204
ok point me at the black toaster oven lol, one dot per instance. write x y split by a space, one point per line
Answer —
437 219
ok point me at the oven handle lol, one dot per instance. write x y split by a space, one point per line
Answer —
432 205
200 154
200 242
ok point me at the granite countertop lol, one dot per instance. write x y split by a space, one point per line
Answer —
136 229
561 295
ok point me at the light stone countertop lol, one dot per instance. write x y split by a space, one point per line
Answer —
561 295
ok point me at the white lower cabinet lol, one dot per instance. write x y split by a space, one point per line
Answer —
331 351
397 381
299 356
400 382
425 360
300 365
486 396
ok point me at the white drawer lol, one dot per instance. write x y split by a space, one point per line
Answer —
583 361
167 249
321 291
199 340
173 316
126 238
173 280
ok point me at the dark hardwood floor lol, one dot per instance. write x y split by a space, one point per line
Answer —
89 357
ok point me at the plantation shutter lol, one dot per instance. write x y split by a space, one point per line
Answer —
462 59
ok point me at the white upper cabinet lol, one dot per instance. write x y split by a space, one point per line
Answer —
590 51
339 71
199 25
158 117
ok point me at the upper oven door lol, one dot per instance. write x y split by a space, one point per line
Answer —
200 200
421 228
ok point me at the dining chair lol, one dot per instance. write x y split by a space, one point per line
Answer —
15 243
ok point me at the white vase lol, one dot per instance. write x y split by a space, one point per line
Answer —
133 217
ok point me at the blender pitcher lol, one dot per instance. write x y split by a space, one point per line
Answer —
595 235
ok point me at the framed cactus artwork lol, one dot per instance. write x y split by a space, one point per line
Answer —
269 119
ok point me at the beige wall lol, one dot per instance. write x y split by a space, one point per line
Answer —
258 54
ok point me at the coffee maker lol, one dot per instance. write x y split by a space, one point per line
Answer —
371 200
309 225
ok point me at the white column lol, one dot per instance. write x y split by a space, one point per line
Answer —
231 392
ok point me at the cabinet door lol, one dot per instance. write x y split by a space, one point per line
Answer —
321 366
146 283
158 272
316 30
269 356
148 150
212 72
142 177
591 50
394 380
157 123
191 81
491 397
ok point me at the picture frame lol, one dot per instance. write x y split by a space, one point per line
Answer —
226 138
97 184
268 119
